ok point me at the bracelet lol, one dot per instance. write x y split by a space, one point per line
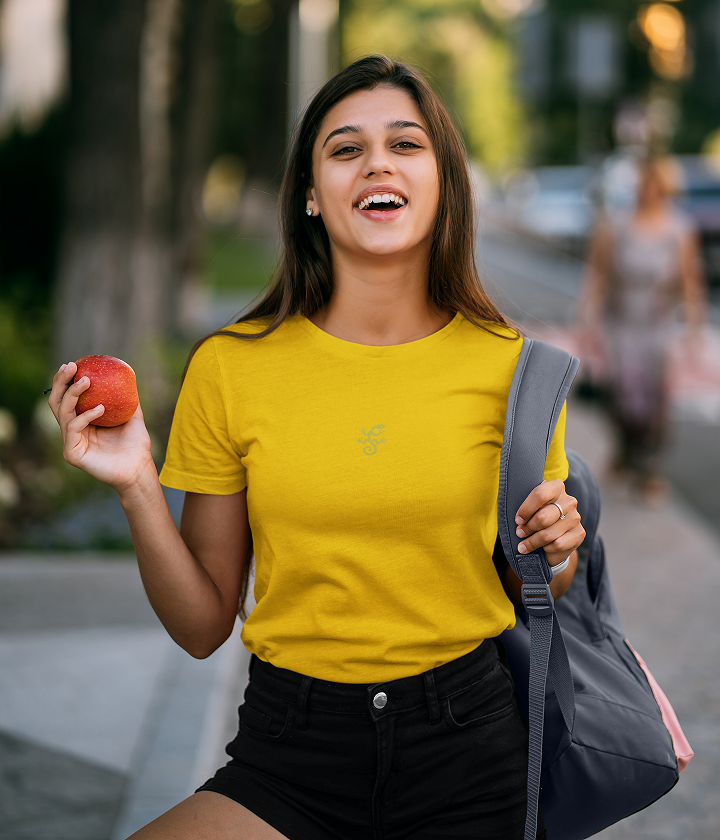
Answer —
560 567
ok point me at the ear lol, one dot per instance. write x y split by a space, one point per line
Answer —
310 192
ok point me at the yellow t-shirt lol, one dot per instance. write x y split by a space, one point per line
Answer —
372 476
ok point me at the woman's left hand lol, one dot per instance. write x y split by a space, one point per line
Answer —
549 519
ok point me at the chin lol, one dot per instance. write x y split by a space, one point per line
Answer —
388 247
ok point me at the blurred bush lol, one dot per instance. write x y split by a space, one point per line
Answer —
25 330
236 262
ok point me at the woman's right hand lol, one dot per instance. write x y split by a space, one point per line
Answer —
116 455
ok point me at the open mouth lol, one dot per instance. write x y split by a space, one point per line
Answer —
384 205
383 202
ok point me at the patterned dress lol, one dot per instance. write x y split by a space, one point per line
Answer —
643 290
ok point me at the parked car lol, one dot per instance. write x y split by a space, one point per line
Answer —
554 202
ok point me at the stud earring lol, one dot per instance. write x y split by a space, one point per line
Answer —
309 212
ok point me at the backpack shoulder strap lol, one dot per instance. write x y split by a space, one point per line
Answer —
540 385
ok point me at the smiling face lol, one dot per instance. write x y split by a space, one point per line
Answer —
375 178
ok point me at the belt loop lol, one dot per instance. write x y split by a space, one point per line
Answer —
432 698
301 710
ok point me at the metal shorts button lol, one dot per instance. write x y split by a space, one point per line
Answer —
380 700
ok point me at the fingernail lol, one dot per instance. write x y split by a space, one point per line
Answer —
522 548
63 368
519 520
520 532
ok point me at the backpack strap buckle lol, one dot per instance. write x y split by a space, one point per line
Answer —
537 599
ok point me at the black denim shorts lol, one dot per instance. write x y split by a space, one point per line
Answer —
439 755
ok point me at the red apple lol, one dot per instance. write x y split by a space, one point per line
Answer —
112 383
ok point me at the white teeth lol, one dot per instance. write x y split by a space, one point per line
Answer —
383 198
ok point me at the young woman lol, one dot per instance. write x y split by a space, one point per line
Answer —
349 428
639 266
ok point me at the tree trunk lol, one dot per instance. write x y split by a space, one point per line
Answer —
194 123
98 290
140 129
271 79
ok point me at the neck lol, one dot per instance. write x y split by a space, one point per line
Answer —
380 301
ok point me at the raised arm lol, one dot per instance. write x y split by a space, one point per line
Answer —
192 578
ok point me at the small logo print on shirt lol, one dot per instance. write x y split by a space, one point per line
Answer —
371 439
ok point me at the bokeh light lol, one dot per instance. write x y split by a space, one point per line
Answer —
664 28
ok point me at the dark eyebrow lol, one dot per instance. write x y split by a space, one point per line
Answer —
392 126
346 129
356 129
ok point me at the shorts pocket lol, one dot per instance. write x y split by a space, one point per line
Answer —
271 719
482 702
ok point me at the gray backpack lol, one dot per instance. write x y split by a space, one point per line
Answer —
604 741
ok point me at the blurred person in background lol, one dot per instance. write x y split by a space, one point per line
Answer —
639 265
379 703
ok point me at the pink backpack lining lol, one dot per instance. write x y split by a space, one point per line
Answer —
683 750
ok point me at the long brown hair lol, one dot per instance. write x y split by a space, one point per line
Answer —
303 280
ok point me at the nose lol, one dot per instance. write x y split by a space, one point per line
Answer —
379 161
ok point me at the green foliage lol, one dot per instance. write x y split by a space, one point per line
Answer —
30 166
468 55
24 349
234 261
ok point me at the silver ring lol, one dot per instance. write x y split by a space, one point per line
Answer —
562 515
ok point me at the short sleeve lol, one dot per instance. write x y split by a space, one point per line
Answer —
556 463
201 455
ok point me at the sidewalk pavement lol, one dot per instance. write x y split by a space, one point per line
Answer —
105 723
664 564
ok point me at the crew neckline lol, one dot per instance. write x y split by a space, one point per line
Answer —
352 348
